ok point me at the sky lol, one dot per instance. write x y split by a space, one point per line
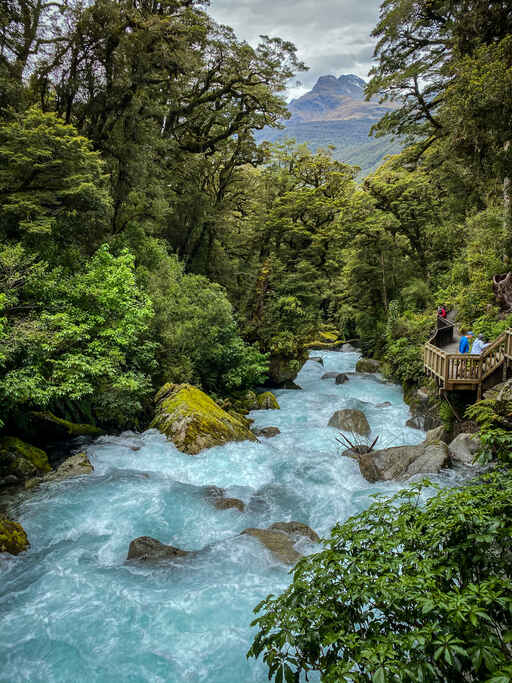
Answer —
332 36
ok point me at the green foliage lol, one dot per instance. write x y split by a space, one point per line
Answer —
495 420
401 592
405 361
77 336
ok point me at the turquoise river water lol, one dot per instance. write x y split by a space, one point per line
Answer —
72 610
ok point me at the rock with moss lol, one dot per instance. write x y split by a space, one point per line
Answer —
13 538
319 345
284 369
193 421
367 365
75 466
20 461
267 401
63 428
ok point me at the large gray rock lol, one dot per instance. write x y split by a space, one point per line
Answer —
503 391
403 462
217 497
367 365
151 550
350 421
280 537
341 378
437 434
464 448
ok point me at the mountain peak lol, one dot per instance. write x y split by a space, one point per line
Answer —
346 84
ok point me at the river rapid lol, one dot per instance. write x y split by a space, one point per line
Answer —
72 610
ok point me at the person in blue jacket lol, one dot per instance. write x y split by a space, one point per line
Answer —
464 342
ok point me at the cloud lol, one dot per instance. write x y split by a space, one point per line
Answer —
332 36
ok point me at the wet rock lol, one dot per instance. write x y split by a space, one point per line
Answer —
74 466
278 542
414 423
402 462
229 503
341 378
423 408
330 375
437 434
317 359
355 452
13 538
267 432
348 348
193 421
150 550
284 369
367 365
385 404
267 401
503 391
291 386
297 529
464 448
216 497
351 421
20 461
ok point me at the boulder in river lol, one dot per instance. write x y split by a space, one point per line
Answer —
341 378
464 448
351 421
385 404
216 497
74 466
13 538
19 461
151 550
367 365
267 432
329 375
267 401
403 462
317 359
193 421
284 369
280 539
297 529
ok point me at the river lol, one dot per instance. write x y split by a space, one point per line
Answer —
72 610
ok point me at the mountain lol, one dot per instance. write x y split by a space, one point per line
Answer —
336 113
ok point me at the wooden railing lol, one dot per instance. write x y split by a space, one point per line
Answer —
464 370
443 334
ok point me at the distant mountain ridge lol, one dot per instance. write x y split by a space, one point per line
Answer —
335 112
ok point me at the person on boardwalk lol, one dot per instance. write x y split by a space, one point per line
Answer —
441 311
479 344
464 341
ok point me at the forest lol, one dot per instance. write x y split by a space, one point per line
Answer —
147 238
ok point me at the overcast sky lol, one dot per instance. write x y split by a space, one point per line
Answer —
332 36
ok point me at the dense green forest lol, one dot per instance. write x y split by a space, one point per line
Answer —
147 238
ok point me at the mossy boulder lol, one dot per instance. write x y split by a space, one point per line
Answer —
13 538
75 466
267 401
63 428
20 461
148 549
193 421
329 337
319 345
367 365
284 369
351 421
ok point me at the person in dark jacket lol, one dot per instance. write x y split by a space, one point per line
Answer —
465 342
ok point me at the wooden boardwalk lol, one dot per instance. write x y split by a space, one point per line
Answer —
464 371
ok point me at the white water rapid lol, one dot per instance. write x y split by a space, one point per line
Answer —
72 610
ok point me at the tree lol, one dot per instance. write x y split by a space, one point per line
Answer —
52 185
402 592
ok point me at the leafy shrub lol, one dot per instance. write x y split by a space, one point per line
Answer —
402 592
405 361
495 420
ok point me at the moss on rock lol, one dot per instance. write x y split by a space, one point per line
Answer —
20 461
319 345
267 401
193 421
67 427
13 538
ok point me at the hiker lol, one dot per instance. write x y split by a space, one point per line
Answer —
441 311
479 344
464 341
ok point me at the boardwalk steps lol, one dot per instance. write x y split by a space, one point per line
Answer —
463 371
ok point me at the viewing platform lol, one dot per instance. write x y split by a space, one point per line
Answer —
465 371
